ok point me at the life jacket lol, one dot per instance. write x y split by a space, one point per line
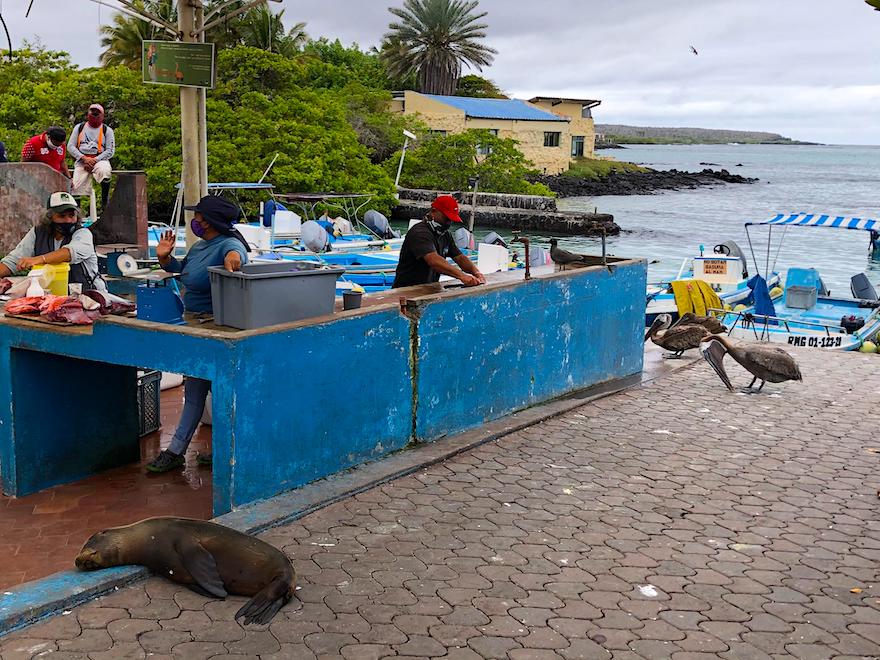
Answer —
79 135
44 243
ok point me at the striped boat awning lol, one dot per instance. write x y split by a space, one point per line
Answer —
816 220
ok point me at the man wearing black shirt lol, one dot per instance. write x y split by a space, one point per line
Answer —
428 244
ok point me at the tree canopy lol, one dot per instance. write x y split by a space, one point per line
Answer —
434 39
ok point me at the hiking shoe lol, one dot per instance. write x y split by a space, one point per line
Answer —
165 461
204 459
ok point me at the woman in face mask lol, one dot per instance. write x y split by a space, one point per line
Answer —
221 245
59 238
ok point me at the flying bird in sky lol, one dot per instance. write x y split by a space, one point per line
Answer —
694 50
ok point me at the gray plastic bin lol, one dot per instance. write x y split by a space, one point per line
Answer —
264 294
800 297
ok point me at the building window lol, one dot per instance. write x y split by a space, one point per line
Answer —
485 151
586 113
551 139
577 146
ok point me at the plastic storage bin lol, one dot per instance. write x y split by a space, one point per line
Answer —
149 407
57 274
262 294
800 297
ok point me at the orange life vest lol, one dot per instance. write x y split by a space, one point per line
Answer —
79 137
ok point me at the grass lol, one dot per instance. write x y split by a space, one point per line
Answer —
593 168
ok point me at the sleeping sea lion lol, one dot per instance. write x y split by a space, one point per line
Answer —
208 558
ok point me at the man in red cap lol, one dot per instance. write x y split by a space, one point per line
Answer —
428 244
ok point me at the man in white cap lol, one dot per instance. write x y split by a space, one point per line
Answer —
92 145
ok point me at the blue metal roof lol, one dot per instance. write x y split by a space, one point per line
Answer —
496 108
816 220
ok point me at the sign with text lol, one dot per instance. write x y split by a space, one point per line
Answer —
178 63
715 267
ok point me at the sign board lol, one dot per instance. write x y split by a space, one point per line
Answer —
178 63
718 270
715 267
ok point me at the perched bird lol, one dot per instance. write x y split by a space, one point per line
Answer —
677 339
562 257
764 361
711 323
694 50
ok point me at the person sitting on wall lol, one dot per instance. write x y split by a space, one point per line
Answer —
59 238
92 145
221 245
47 148
427 245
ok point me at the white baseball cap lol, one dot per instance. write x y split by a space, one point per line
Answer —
61 201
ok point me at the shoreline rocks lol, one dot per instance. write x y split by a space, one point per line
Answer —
639 183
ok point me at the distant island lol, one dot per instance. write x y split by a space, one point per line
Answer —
610 136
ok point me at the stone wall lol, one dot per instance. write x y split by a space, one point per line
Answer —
529 202
125 218
24 190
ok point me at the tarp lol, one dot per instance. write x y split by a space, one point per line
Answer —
763 302
817 220
694 296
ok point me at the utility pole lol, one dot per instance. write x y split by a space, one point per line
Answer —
190 14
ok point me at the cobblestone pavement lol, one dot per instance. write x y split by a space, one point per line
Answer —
672 520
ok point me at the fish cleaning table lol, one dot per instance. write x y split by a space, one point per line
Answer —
297 402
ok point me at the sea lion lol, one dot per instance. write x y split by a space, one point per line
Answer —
208 558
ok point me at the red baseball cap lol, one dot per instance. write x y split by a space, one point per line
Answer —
447 205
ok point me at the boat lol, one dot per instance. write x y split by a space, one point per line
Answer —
725 270
807 314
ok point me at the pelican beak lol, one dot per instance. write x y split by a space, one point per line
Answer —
654 326
714 354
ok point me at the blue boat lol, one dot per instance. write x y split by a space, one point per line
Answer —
807 315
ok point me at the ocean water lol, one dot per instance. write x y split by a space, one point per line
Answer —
667 227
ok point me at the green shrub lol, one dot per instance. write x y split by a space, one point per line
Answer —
593 168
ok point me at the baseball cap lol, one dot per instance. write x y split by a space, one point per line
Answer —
447 205
96 106
219 211
61 201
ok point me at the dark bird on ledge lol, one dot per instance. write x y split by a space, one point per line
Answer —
563 257
678 339
711 323
765 362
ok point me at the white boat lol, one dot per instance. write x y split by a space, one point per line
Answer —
807 314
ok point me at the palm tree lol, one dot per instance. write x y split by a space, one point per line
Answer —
122 38
434 39
260 28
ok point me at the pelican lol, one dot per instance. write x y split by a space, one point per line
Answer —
677 339
764 361
711 323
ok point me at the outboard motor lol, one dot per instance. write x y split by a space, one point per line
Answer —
493 239
314 236
731 249
463 238
379 225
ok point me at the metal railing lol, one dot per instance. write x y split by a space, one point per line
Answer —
751 321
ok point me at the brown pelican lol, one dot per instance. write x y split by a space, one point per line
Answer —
764 361
677 339
711 323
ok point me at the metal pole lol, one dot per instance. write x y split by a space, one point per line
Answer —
201 99
189 123
400 165
474 205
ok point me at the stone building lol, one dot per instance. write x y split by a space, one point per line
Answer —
551 131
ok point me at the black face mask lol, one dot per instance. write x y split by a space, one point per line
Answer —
66 229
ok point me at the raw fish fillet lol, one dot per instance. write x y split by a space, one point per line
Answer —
71 311
110 304
5 285
51 303
26 305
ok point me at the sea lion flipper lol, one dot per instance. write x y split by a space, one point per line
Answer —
265 604
201 566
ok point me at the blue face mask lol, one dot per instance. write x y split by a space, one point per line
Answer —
197 228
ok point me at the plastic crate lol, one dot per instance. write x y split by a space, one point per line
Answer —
149 407
800 297
262 294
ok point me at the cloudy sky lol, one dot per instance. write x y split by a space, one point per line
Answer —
808 69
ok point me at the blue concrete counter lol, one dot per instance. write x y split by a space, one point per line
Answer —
296 402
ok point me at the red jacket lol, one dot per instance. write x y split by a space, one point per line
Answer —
36 150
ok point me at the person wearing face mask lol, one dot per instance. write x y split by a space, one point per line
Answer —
92 145
427 245
58 238
220 245
47 148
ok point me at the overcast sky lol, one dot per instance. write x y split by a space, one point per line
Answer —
808 69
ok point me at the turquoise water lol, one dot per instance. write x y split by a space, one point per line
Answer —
670 226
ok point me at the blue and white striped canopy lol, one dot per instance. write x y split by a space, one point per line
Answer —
817 220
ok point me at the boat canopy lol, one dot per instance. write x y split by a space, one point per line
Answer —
816 220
